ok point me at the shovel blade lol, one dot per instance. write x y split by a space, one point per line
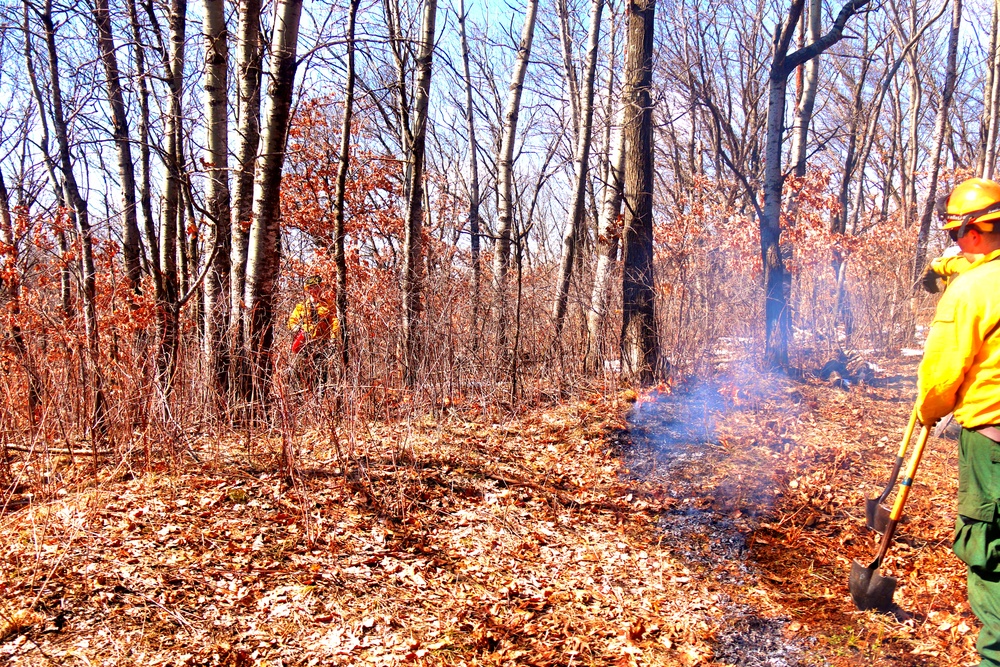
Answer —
876 515
869 589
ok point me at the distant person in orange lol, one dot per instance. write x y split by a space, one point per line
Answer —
314 326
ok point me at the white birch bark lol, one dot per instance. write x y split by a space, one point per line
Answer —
574 219
608 235
217 282
264 250
505 168
248 71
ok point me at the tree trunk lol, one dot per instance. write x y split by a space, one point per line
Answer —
412 282
126 167
574 219
88 272
569 69
608 235
264 251
339 255
505 176
167 313
248 69
777 322
807 101
874 115
217 282
916 97
639 349
470 123
65 280
937 143
145 185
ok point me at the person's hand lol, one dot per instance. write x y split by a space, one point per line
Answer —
929 281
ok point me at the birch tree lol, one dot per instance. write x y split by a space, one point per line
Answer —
574 219
248 72
505 172
263 255
217 284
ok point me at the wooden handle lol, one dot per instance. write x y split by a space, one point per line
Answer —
911 471
907 434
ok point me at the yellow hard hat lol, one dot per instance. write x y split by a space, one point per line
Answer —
973 202
314 281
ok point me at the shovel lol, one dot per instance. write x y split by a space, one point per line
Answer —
877 514
869 589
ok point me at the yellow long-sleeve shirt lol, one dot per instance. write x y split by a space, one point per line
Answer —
315 319
960 370
950 267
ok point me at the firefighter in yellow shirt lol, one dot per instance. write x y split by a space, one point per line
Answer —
314 327
960 373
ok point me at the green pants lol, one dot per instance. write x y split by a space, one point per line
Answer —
977 535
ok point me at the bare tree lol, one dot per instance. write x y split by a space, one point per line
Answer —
10 288
73 196
248 73
120 131
217 284
574 219
145 184
940 125
470 122
639 348
338 206
412 283
776 316
505 171
608 236
986 161
263 255
809 71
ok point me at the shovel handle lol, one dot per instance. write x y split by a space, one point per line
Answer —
899 456
904 491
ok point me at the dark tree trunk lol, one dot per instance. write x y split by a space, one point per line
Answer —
639 348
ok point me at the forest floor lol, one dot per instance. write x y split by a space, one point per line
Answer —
711 525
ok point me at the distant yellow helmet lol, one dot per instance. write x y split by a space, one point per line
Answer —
314 281
973 202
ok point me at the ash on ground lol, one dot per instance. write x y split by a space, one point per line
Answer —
717 509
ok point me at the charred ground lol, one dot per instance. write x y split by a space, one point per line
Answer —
712 525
